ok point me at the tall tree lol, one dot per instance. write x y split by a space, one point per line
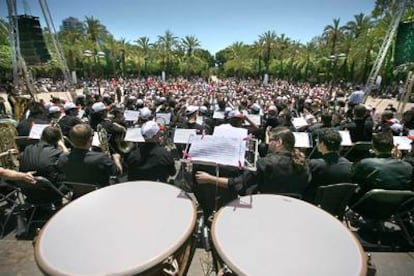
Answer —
144 46
333 33
166 46
190 43
268 39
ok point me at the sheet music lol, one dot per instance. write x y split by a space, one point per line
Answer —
255 118
131 115
218 115
403 142
218 150
95 140
200 120
163 118
134 135
302 140
346 138
299 122
81 113
182 135
36 130
411 132
226 130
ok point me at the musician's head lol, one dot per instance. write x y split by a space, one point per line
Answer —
191 111
99 110
81 136
71 109
151 131
284 116
383 141
329 140
360 111
235 118
51 135
281 139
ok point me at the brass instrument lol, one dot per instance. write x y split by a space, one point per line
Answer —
122 146
8 147
20 105
103 139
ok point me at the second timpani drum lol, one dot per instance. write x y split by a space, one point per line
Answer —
277 235
137 227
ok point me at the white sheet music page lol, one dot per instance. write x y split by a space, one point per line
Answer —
218 115
134 135
182 135
227 130
217 150
255 118
402 142
346 138
163 118
302 140
131 115
200 120
95 140
299 122
36 130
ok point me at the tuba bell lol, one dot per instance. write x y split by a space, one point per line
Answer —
121 146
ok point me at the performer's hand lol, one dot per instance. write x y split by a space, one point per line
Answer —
28 177
396 153
204 178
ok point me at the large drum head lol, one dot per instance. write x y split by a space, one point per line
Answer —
122 229
278 235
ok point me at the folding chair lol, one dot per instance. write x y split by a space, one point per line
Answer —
41 199
335 198
80 189
358 151
8 204
379 206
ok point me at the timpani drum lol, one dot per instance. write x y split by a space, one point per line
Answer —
278 235
139 227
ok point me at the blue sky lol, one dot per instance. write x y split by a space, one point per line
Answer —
216 23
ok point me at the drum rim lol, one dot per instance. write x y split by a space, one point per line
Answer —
236 270
47 269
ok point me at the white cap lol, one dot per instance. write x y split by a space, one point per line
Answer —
191 109
140 102
149 129
54 109
99 106
145 113
255 107
203 109
69 106
235 114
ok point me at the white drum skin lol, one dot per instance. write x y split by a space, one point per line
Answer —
122 229
277 235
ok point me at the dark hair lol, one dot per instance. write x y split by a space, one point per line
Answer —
51 135
288 141
360 111
326 119
331 138
80 134
383 141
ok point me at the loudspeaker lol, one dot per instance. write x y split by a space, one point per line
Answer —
32 43
404 44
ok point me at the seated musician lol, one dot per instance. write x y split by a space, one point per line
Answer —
382 171
42 156
191 113
283 170
70 119
150 161
331 168
361 126
84 166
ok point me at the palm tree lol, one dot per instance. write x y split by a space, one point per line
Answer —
257 52
268 39
144 46
239 62
190 43
333 33
283 43
94 30
359 25
166 45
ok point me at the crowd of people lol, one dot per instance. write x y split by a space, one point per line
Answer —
192 104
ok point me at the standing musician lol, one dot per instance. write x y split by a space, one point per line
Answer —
85 166
283 170
150 161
